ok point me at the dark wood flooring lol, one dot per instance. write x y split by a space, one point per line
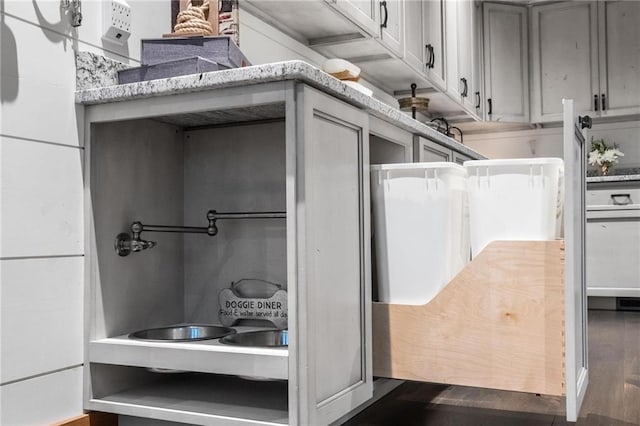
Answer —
612 399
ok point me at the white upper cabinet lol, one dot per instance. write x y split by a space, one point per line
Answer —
565 59
392 25
619 46
595 60
362 12
506 62
414 48
433 39
460 47
424 39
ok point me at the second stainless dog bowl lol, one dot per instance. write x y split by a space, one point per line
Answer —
183 333
262 338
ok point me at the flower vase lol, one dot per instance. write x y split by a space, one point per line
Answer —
604 169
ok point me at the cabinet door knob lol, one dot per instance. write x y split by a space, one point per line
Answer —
490 106
595 102
383 6
466 87
603 101
478 100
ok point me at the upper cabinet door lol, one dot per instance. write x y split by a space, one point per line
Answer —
565 59
330 367
506 62
466 49
424 39
451 29
392 25
619 38
433 41
459 15
364 13
414 48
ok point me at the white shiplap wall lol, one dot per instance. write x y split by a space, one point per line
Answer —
41 219
41 183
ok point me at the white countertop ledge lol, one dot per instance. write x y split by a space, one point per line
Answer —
267 73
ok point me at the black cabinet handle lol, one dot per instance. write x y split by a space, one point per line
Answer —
478 99
466 87
433 56
621 199
383 5
429 50
584 121
595 102
603 101
490 106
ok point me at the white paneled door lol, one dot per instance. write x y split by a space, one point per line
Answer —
576 345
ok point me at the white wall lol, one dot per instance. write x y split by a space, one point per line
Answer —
41 219
548 142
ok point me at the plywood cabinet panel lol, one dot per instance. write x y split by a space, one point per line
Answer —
484 328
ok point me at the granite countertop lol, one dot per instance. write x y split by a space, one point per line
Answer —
96 82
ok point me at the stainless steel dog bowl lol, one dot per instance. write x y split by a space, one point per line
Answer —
262 338
183 333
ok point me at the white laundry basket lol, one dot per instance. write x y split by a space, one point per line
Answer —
516 199
421 235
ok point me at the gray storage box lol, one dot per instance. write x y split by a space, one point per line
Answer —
218 49
186 66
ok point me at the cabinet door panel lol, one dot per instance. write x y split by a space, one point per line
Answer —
619 38
506 62
433 33
414 48
465 52
427 151
361 12
576 342
333 326
565 58
392 35
459 51
460 158
613 250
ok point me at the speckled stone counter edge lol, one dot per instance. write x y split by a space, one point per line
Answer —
614 178
93 71
97 89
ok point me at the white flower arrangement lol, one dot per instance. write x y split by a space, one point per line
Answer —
603 155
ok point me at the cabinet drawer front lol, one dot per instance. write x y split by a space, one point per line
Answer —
613 250
613 196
